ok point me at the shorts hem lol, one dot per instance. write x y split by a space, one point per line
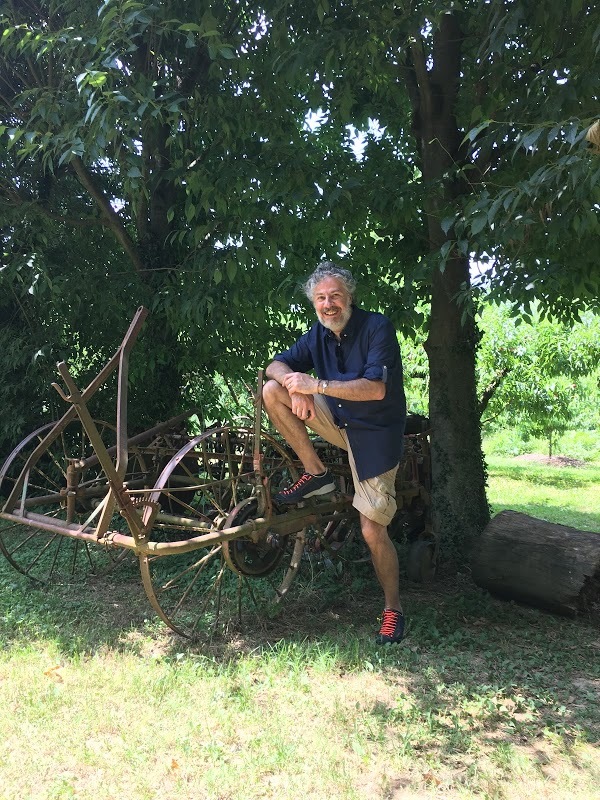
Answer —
365 508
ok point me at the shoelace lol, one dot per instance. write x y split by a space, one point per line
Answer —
300 482
388 625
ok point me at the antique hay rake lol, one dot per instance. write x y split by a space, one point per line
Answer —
195 512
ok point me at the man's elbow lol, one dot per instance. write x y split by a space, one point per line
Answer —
380 390
269 369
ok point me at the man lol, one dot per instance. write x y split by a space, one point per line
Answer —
356 401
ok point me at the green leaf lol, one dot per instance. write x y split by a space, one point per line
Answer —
531 138
97 78
445 250
231 270
474 132
14 134
478 223
447 223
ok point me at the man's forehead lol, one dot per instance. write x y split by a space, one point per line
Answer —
330 285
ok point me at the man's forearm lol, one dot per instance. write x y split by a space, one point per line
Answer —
277 370
358 389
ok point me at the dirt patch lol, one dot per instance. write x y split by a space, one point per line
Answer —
555 461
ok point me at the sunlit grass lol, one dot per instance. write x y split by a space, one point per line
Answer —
566 495
484 699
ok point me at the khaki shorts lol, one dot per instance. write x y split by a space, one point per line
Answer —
374 497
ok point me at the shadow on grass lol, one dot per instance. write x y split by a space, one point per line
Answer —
78 616
496 673
471 669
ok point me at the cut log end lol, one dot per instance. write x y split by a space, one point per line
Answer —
546 565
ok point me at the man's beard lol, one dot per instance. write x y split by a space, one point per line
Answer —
338 324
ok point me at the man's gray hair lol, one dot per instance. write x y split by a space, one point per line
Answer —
329 269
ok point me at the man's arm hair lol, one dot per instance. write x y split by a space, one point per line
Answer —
357 389
276 371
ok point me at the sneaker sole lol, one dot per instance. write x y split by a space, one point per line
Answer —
330 487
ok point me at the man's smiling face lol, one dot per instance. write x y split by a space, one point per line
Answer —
332 303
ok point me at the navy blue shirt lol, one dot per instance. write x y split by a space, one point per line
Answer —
367 348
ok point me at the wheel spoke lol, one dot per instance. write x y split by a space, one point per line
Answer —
212 481
46 555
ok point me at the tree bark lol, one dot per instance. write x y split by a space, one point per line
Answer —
459 504
546 565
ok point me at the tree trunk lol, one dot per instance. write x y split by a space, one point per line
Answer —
546 565
459 504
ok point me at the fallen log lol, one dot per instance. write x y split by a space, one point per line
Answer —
541 563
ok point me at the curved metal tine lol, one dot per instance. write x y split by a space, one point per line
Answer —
71 413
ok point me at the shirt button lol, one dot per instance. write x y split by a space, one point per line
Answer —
345 424
339 405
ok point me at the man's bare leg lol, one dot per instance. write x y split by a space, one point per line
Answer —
279 408
385 560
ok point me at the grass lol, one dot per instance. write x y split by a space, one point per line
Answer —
566 495
484 699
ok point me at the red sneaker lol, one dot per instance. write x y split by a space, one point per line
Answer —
392 627
306 486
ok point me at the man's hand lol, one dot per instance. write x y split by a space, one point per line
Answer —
300 383
303 406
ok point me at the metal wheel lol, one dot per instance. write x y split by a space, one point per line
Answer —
210 487
48 555
338 542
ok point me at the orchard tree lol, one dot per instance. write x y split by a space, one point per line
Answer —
461 97
146 160
532 375
183 126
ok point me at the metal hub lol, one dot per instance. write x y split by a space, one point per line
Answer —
248 558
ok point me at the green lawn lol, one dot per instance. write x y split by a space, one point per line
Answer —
567 495
484 699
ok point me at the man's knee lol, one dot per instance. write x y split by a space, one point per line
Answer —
373 532
272 393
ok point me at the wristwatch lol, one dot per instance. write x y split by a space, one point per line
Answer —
324 385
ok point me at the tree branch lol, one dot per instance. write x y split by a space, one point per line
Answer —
14 196
113 220
491 389
447 58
